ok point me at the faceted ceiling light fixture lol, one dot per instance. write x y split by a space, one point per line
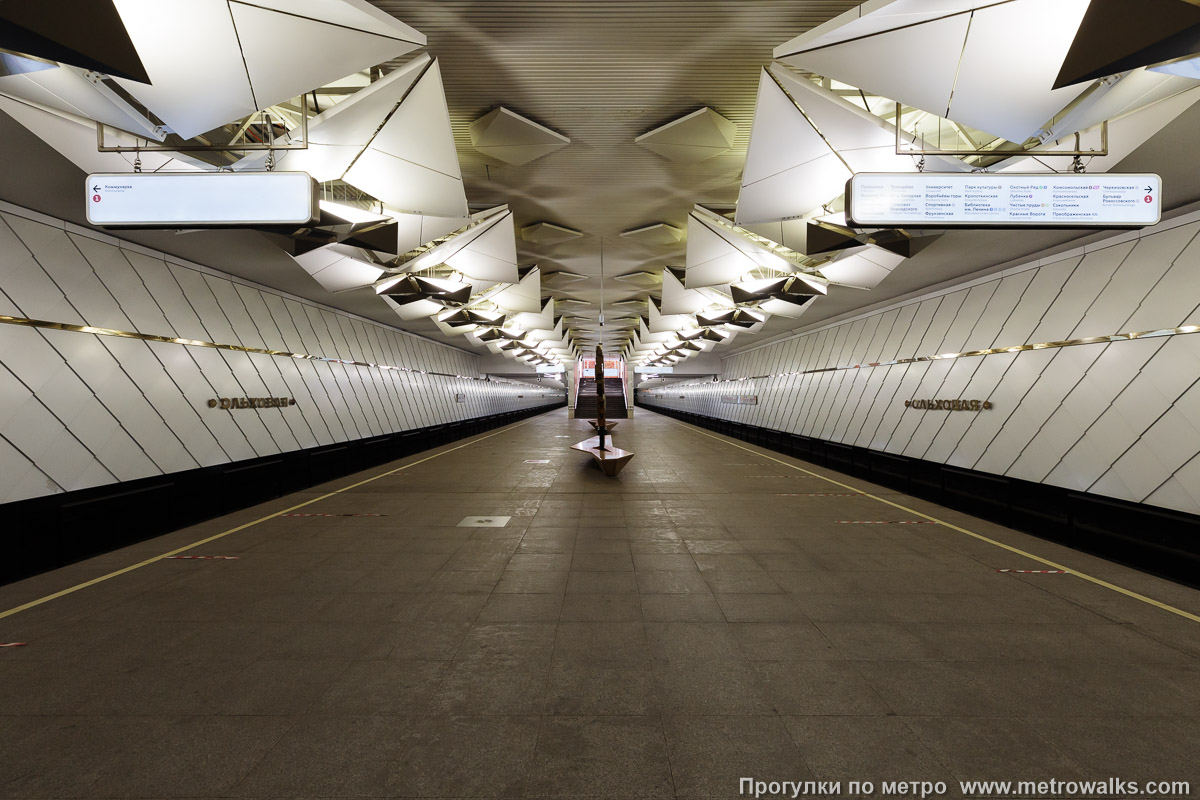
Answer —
513 139
659 233
700 135
548 233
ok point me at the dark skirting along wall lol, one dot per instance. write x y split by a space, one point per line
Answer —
1154 539
49 532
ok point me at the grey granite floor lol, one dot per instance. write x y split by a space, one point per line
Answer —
706 617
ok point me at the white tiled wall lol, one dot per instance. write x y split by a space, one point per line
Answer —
80 410
1120 419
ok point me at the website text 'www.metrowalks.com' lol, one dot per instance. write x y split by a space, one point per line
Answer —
1105 788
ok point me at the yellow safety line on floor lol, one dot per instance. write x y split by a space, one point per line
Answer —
953 527
185 548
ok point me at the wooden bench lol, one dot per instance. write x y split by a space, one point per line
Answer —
611 459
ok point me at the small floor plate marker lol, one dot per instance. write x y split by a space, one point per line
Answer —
537 461
208 558
885 522
1037 571
484 522
333 515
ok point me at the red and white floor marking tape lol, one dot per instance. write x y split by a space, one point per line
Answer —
1038 571
885 522
13 644
818 494
333 515
208 558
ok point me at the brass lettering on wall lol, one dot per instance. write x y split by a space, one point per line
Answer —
230 403
948 405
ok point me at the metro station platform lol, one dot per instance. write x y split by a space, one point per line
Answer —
717 612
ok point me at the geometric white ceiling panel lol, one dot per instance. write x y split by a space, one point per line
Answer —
711 260
863 268
1007 91
513 139
1125 134
339 134
67 89
1188 68
692 138
216 61
76 140
415 230
662 323
678 300
417 309
490 255
717 255
866 143
338 268
983 64
525 296
483 250
540 321
1131 92
789 169
411 164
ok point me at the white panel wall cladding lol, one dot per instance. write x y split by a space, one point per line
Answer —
79 410
1120 419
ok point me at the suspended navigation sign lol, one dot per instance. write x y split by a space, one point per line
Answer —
985 200
200 199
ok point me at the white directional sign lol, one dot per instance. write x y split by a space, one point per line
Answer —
200 199
982 200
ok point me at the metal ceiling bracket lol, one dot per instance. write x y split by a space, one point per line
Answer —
909 150
209 148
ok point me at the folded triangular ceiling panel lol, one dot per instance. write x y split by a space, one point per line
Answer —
695 137
414 230
338 268
87 35
253 55
524 296
513 139
678 300
887 63
77 142
967 70
331 52
67 89
1124 135
357 14
1016 99
789 170
711 259
1129 94
864 268
490 255
661 323
1117 36
339 134
411 164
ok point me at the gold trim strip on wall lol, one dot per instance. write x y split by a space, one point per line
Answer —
237 348
1116 337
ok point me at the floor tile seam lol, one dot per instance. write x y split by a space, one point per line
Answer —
980 537
146 562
